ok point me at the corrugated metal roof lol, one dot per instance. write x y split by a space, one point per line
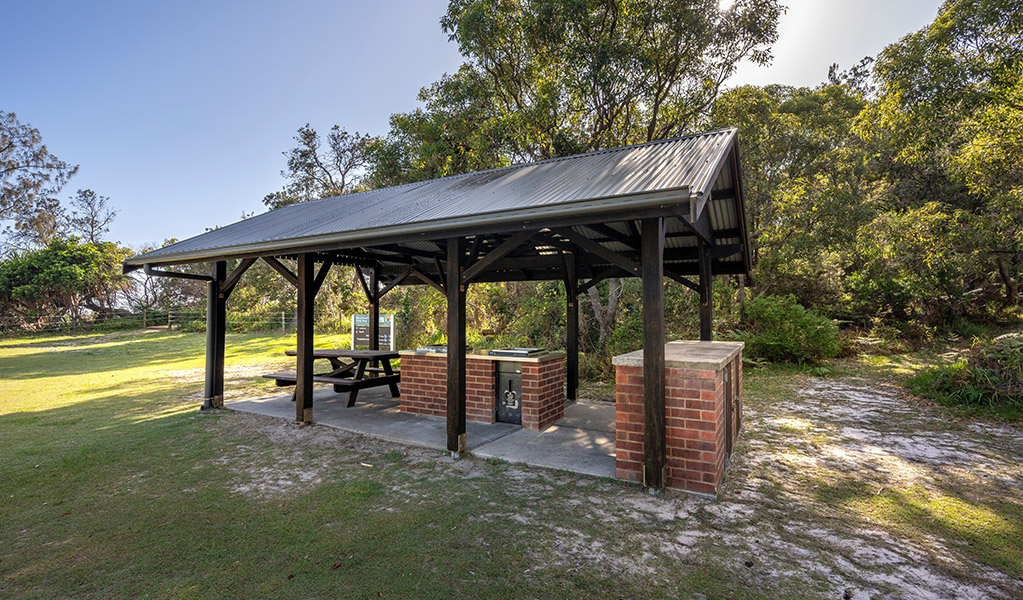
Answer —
682 168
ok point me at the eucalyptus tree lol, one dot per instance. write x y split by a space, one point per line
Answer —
947 124
322 167
30 176
548 78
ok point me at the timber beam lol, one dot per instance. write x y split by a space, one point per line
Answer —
280 268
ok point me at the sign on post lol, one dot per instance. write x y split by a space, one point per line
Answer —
360 332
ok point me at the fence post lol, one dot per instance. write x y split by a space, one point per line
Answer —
282 322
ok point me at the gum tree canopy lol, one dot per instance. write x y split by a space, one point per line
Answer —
548 78
29 175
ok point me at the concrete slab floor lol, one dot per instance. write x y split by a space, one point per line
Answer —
375 414
581 442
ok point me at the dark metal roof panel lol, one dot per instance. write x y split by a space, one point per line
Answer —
685 165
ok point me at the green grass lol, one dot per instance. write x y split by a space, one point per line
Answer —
113 485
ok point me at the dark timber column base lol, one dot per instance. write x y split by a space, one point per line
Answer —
216 328
654 447
455 290
306 300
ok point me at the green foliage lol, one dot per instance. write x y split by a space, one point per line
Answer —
780 329
545 78
917 264
60 281
990 377
29 175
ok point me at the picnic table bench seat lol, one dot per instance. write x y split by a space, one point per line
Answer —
350 377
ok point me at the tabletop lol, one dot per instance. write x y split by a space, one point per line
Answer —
342 353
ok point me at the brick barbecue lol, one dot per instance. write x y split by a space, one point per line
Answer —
424 386
703 404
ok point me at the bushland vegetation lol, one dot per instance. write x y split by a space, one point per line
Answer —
885 204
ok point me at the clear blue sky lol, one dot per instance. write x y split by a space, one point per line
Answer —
179 111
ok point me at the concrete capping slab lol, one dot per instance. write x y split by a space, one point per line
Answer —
685 354
539 358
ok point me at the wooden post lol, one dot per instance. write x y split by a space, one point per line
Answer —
374 311
706 295
216 329
571 327
654 452
455 289
304 370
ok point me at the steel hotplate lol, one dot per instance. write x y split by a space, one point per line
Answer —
516 352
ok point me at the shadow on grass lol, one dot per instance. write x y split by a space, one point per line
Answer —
122 504
988 531
169 349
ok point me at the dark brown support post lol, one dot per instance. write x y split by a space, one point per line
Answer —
571 327
654 452
216 329
374 311
706 295
304 370
455 289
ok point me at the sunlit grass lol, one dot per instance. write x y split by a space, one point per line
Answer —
991 534
114 485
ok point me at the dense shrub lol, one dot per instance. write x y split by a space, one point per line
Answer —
779 329
990 376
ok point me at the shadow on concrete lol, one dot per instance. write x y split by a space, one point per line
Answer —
581 442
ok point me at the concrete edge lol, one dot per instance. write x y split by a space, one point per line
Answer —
675 355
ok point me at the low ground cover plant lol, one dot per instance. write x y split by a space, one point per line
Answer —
988 376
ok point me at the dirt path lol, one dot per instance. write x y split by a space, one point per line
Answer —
857 484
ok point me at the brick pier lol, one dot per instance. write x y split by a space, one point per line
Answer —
703 405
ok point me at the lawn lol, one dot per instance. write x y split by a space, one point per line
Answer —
113 485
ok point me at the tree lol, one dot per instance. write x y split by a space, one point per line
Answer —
946 124
806 187
317 172
61 280
547 78
91 216
29 175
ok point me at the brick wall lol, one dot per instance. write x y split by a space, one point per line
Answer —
424 389
479 390
694 424
543 393
424 384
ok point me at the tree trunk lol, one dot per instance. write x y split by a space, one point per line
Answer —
1010 286
606 316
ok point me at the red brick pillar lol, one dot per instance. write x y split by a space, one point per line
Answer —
543 392
695 405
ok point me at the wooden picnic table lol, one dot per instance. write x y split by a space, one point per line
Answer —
352 370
